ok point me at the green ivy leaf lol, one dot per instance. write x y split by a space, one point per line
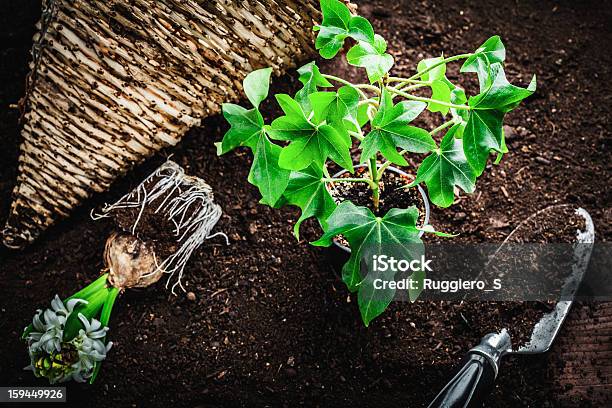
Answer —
335 106
335 14
311 78
344 105
256 85
360 29
307 190
356 122
329 41
441 92
484 128
372 57
499 93
309 142
333 29
458 97
483 133
362 115
265 172
320 102
323 142
440 86
337 25
437 73
246 127
490 52
445 169
395 234
390 131
294 124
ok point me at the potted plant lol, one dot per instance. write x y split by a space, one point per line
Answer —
329 115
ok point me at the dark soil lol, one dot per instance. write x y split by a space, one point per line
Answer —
542 245
393 193
554 224
153 226
271 324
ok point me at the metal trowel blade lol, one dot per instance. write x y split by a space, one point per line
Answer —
546 329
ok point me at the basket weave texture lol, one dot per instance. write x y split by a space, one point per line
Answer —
113 82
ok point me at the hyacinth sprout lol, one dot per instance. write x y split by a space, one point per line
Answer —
67 341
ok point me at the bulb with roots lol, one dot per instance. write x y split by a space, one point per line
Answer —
131 262
176 209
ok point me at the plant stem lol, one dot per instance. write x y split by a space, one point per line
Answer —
356 135
441 62
411 87
404 80
370 113
358 87
385 165
368 101
374 185
418 98
104 319
108 305
403 152
90 289
325 171
442 127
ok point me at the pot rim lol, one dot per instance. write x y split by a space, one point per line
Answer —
401 173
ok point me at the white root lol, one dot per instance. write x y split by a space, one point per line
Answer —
113 82
186 201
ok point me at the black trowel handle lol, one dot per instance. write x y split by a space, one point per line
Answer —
476 375
469 386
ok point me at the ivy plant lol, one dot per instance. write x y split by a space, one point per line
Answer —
330 115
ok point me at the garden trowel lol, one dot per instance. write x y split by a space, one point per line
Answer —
480 366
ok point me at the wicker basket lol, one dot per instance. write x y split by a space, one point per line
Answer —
114 81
